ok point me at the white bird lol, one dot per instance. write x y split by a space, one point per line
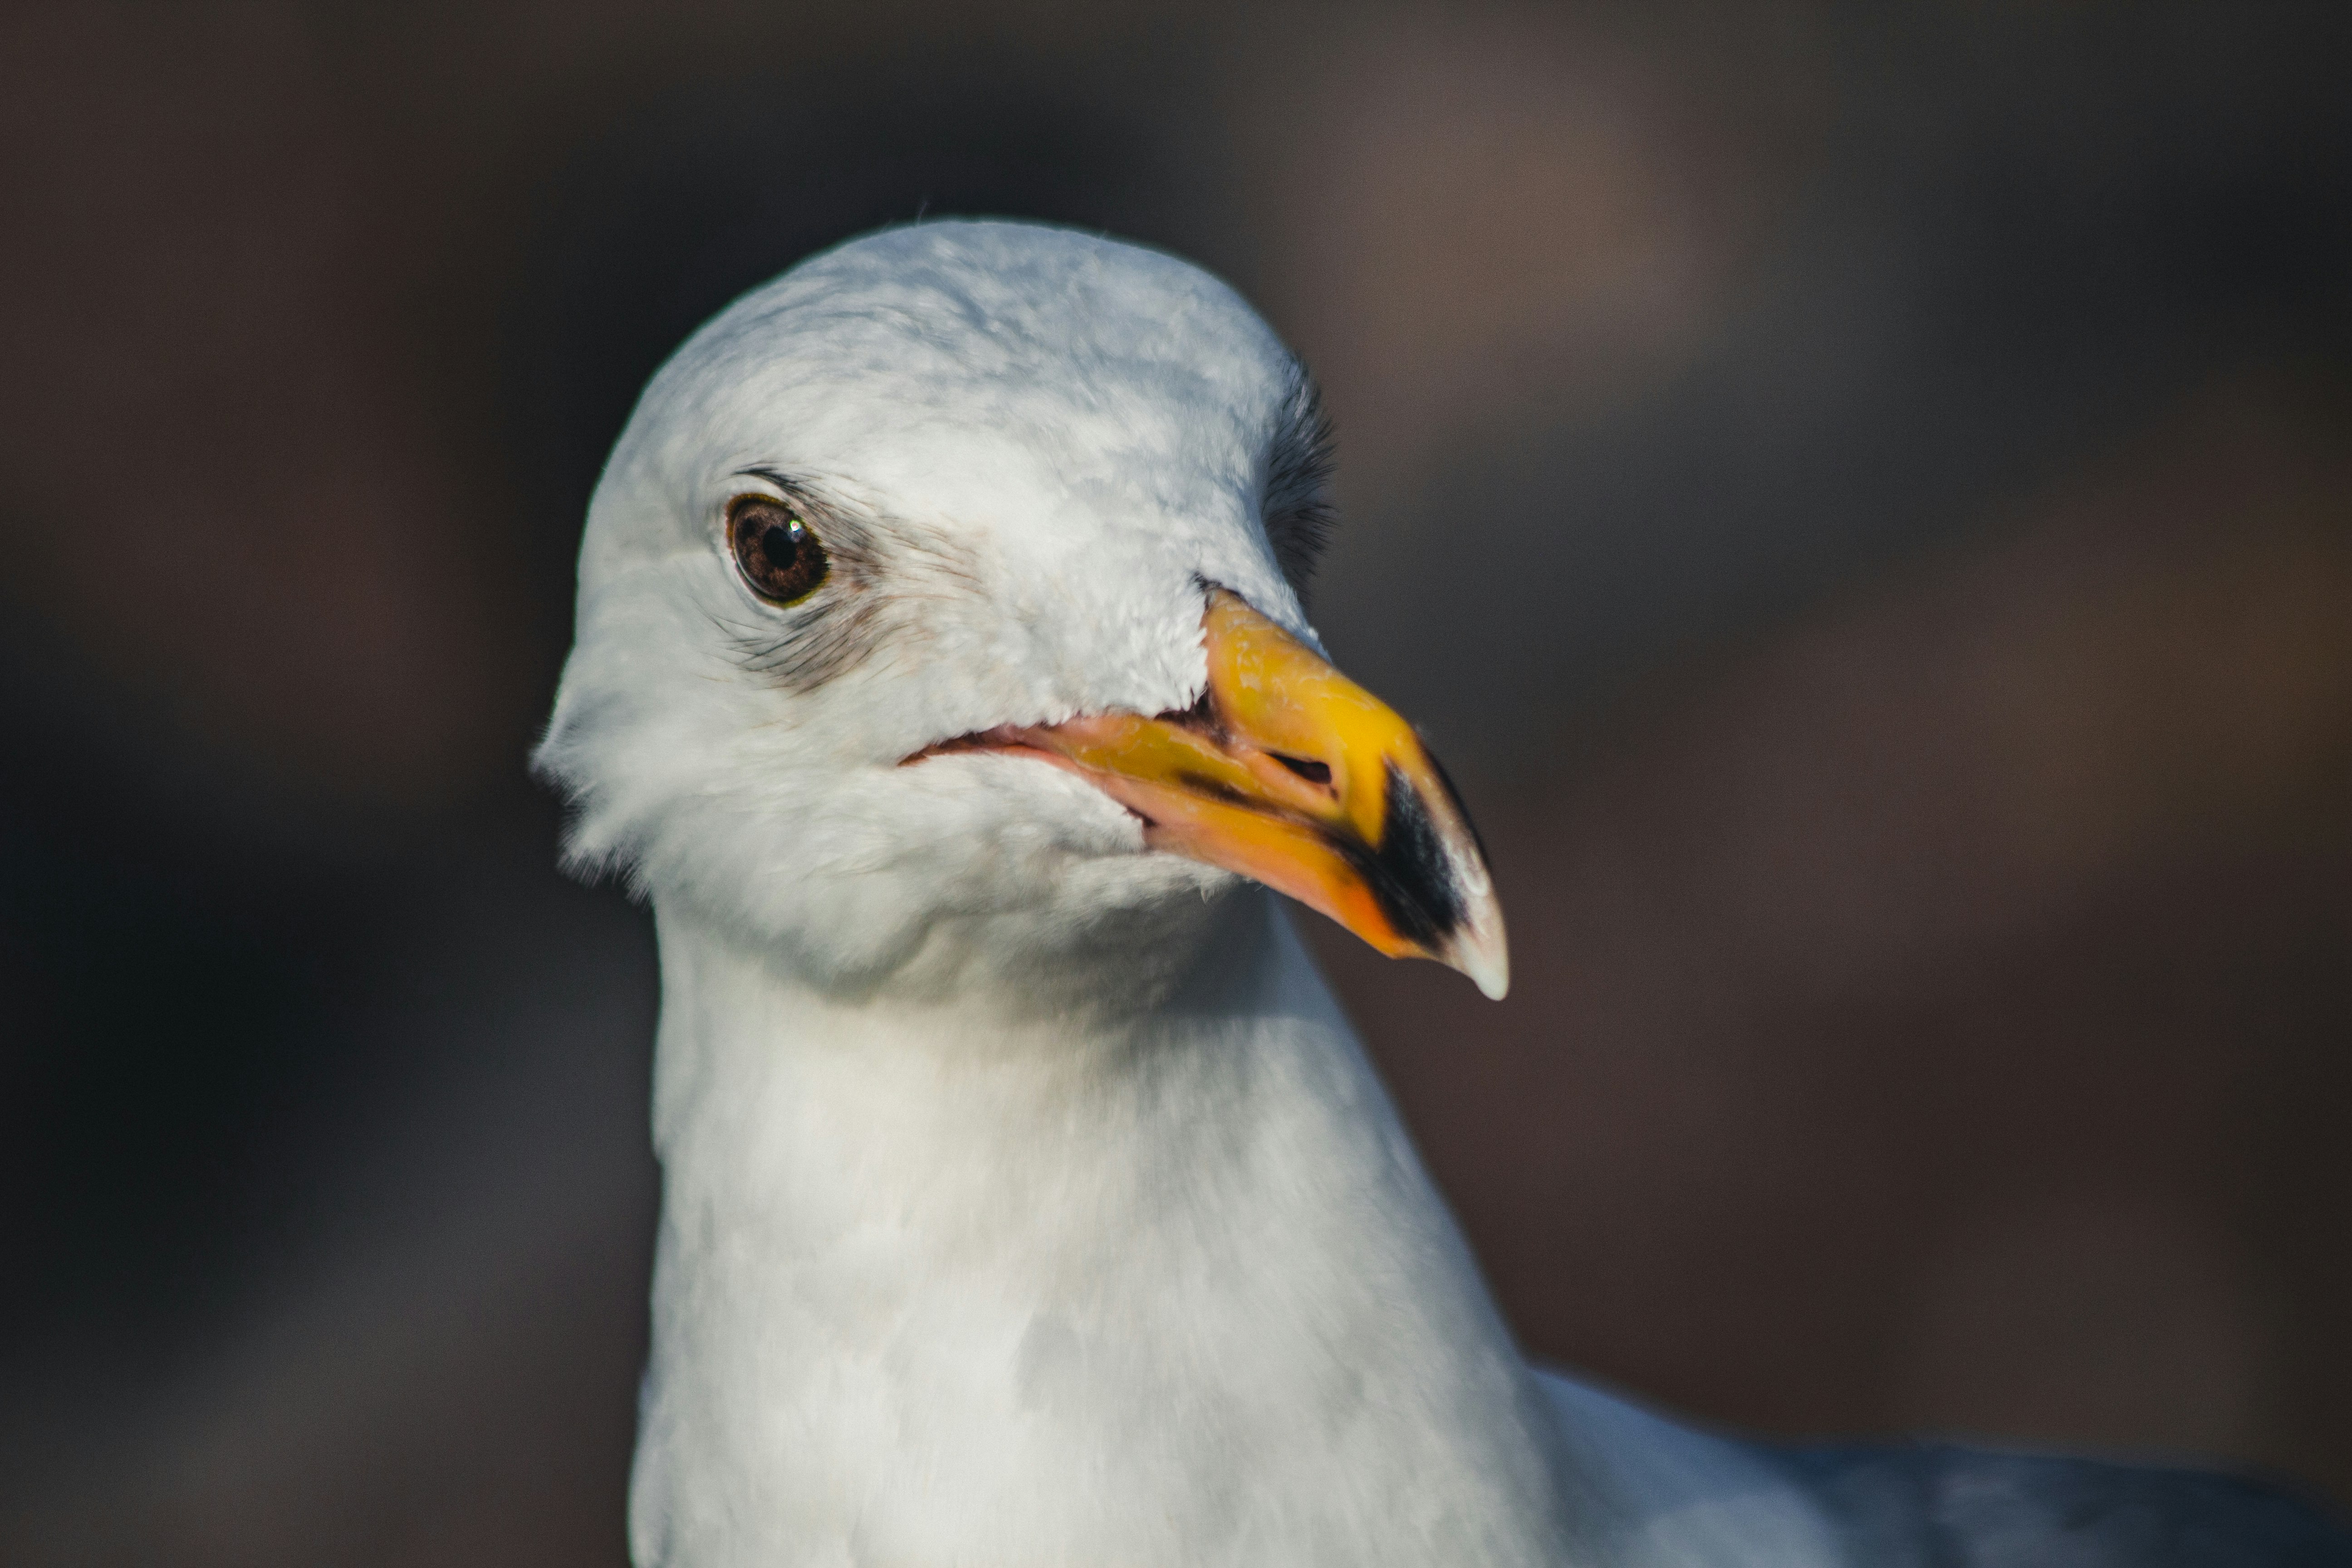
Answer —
942 677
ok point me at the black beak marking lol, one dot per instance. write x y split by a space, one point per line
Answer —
1407 872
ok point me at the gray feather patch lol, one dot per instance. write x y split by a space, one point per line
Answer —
1939 1506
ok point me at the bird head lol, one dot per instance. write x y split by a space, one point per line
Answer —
937 607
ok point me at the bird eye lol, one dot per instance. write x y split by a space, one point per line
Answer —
774 548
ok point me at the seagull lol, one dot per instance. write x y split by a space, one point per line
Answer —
942 680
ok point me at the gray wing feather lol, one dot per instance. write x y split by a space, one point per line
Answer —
1940 1506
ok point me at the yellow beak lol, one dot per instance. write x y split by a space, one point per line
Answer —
1290 773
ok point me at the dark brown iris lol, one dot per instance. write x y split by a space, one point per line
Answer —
779 556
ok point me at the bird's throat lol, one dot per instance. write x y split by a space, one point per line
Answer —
1170 1287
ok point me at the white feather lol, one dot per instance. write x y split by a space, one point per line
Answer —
1028 1200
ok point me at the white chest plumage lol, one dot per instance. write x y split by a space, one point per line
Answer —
939 1288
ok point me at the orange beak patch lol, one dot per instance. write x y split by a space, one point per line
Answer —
1291 774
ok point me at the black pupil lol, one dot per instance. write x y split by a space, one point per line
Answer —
781 543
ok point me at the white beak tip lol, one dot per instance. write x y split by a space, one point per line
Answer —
1486 958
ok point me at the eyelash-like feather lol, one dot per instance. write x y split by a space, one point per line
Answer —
1297 510
845 621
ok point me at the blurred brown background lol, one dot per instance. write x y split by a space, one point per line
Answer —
1862 495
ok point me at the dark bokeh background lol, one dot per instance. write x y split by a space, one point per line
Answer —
1862 495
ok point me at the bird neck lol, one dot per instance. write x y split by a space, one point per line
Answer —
948 1283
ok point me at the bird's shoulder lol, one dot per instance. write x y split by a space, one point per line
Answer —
1936 1505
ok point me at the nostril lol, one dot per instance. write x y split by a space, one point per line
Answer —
1306 768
